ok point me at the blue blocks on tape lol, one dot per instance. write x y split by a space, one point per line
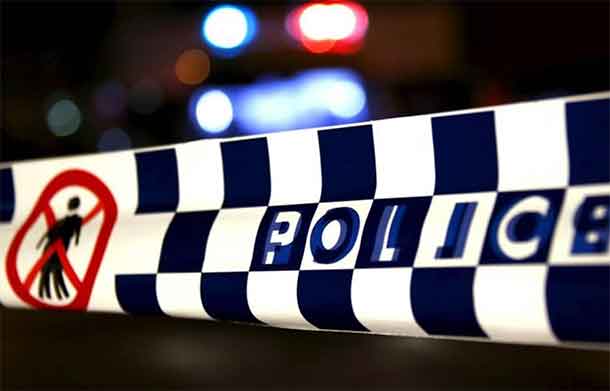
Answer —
457 231
7 195
401 220
577 299
185 242
465 153
348 163
528 226
157 181
587 222
137 293
225 296
589 141
437 231
247 178
325 299
349 224
269 255
443 303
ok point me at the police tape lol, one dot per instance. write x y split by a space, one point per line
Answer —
490 224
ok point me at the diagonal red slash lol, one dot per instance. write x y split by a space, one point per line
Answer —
29 280
97 209
70 273
58 247
108 210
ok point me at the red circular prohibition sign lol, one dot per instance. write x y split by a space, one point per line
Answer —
105 204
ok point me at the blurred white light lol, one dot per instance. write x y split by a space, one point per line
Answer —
345 98
214 111
327 22
114 139
226 27
312 22
344 21
63 118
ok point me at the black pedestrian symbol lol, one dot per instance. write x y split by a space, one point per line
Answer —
63 230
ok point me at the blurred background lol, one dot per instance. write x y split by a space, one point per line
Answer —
86 77
83 77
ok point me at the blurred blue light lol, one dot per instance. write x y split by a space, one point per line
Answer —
114 139
229 28
313 98
213 111
345 98
267 106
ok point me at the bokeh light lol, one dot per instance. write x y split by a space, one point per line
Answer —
110 99
228 28
64 117
145 97
316 97
114 139
192 67
327 22
345 98
213 111
337 27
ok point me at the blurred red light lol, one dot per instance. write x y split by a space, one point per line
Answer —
329 27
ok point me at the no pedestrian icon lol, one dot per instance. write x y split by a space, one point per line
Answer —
62 231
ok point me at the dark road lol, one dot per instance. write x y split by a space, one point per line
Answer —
42 349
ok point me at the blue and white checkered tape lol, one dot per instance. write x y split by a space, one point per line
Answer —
490 224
